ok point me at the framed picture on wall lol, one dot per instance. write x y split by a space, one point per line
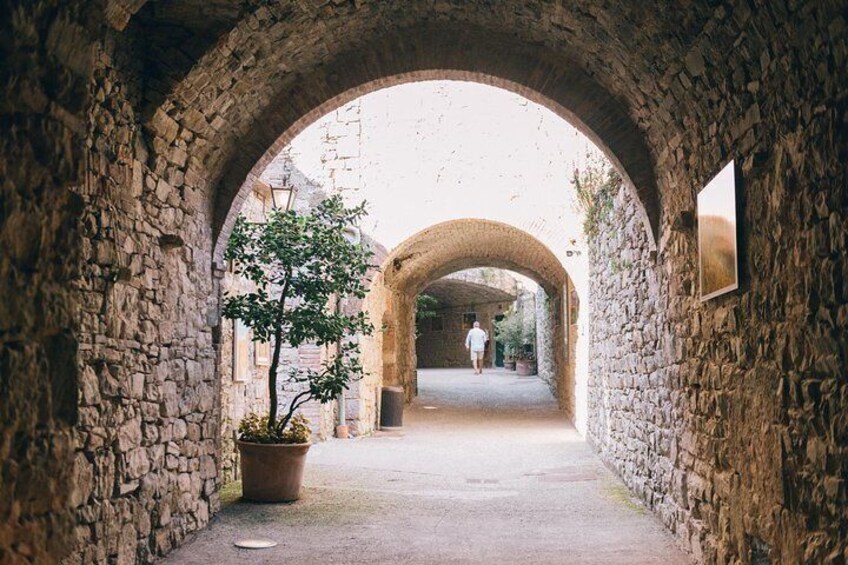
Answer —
241 349
718 253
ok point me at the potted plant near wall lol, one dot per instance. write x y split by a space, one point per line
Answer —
510 332
299 264
525 363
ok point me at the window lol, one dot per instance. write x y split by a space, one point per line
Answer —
468 320
262 353
241 346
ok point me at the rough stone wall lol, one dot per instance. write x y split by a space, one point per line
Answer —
46 61
725 416
363 403
146 466
446 347
545 341
238 397
362 398
106 356
628 376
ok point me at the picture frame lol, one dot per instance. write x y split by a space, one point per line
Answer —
718 241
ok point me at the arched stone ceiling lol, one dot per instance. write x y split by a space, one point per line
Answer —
283 64
462 244
453 292
445 52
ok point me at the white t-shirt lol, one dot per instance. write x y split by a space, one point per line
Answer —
476 339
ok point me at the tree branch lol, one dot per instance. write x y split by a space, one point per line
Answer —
293 406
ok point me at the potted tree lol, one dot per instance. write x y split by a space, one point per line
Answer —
298 264
510 331
525 363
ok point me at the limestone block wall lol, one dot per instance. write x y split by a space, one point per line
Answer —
341 151
42 155
146 440
544 341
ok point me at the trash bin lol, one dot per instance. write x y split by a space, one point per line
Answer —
391 411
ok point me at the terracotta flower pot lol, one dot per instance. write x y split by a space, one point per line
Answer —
525 368
272 472
509 365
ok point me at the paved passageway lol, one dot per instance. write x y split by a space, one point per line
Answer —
485 471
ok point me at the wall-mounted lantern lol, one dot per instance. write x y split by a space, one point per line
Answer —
282 197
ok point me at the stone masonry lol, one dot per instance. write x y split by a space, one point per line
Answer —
440 341
133 131
455 246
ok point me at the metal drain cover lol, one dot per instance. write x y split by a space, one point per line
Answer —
255 543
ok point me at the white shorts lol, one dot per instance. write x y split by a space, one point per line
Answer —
477 355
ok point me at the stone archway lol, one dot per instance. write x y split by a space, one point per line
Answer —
440 52
446 248
104 201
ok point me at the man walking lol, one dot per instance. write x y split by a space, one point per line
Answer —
475 342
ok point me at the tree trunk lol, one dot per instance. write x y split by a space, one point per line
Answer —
275 359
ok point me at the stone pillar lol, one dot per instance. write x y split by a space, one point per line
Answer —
399 358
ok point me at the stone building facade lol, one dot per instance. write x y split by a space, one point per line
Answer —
544 320
441 342
463 298
133 132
